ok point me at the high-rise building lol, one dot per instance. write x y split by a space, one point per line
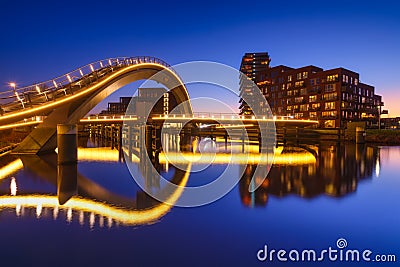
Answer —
334 97
255 66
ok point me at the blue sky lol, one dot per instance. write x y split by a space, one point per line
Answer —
42 40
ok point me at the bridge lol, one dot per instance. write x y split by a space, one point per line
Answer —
68 98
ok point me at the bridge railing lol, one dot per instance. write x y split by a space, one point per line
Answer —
211 115
38 93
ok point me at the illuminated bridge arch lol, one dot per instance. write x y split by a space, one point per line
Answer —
68 98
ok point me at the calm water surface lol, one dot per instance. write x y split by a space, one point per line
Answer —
308 202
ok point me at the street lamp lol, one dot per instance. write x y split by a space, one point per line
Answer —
13 85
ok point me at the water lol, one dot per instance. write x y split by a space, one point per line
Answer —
348 192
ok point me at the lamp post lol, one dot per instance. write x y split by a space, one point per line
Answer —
13 85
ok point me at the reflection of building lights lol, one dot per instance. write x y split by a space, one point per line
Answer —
109 222
13 186
38 210
55 212
91 219
69 215
81 218
377 168
18 210
101 221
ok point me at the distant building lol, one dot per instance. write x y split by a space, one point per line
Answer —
334 97
156 98
390 123
117 107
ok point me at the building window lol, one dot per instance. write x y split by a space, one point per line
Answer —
304 107
329 114
299 76
305 75
356 81
315 106
289 78
299 84
330 96
312 98
312 81
303 91
330 88
289 93
289 85
313 115
298 115
289 108
329 123
329 105
315 89
298 99
332 78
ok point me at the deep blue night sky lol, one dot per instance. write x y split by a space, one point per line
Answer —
41 40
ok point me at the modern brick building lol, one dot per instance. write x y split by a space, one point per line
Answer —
334 97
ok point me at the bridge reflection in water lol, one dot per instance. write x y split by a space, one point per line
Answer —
306 171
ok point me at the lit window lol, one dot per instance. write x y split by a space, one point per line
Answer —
332 78
289 78
304 107
298 115
298 99
312 98
315 106
329 105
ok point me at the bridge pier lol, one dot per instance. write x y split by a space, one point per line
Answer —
67 143
67 159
